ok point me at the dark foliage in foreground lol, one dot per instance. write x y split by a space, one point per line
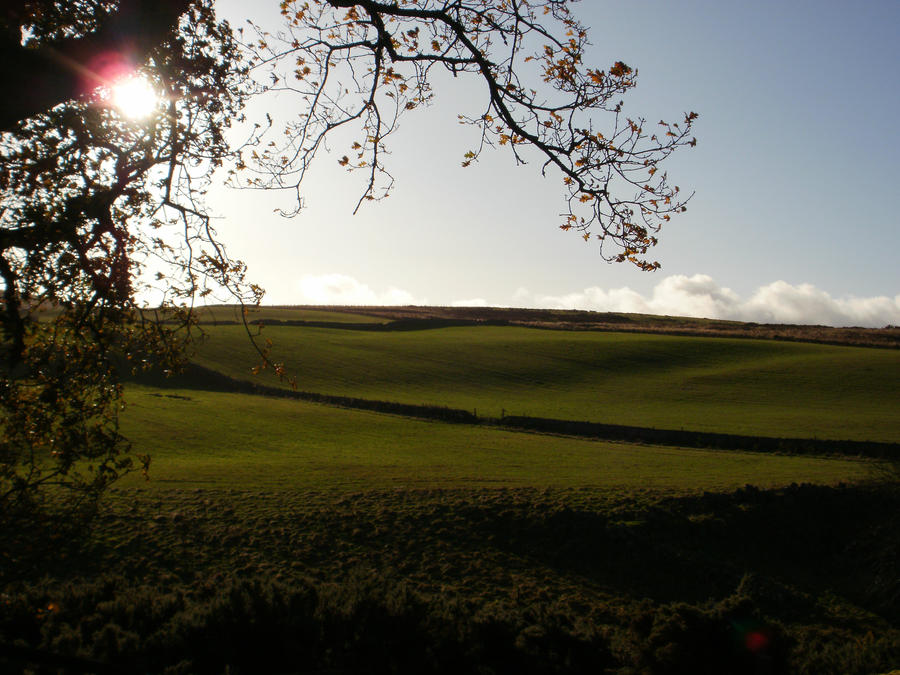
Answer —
259 626
796 580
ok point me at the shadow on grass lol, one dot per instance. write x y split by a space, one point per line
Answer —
807 540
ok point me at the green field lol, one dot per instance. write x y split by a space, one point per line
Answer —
230 313
750 387
280 535
209 439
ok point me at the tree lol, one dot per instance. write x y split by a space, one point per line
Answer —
73 48
98 213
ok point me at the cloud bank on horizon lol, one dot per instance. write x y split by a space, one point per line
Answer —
339 289
678 295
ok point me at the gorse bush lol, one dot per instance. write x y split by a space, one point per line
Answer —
795 580
370 625
257 626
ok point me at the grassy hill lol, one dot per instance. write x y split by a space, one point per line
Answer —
727 385
279 535
212 439
230 314
573 319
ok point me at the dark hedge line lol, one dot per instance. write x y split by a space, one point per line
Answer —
389 326
885 338
700 439
199 376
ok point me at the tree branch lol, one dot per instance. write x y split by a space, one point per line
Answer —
36 78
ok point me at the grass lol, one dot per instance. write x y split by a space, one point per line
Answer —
510 580
750 387
210 439
278 535
229 313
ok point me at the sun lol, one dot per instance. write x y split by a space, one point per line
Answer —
135 97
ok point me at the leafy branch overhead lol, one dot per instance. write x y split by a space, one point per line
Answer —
363 64
73 46
105 240
100 214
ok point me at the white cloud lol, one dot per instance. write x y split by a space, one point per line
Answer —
701 296
472 302
521 295
339 289
782 303
678 295
698 295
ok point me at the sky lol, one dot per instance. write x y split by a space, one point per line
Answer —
795 175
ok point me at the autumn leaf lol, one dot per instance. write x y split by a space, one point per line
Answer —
619 69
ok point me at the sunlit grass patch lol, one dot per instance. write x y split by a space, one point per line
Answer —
201 438
748 387
231 313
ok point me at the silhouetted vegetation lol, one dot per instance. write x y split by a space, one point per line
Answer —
796 580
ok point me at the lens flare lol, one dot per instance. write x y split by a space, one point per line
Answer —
756 641
135 97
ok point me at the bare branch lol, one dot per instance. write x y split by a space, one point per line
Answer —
538 95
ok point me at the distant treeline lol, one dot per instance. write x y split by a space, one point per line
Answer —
199 376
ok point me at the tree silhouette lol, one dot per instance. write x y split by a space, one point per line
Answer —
102 216
99 212
73 48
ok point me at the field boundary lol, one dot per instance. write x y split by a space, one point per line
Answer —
867 338
201 377
887 337
386 327
705 439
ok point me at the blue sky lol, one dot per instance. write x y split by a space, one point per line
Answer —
795 174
